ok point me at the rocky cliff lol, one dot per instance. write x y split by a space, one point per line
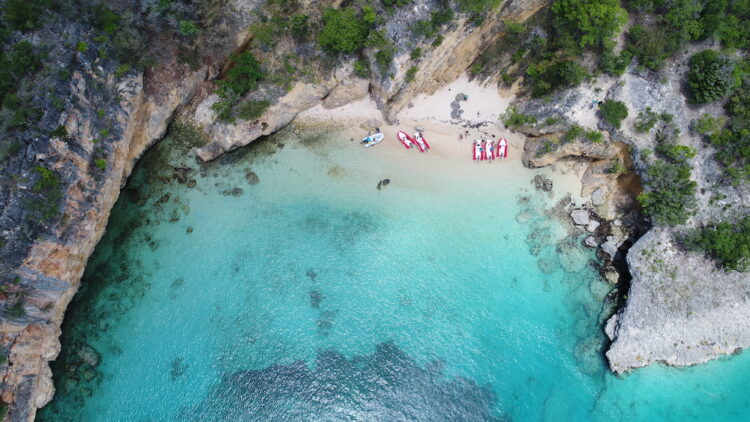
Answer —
106 123
679 308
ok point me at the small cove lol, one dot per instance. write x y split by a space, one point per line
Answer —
312 295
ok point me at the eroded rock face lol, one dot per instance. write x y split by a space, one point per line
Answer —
535 155
681 309
440 65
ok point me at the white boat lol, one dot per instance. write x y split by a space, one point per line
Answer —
477 149
371 140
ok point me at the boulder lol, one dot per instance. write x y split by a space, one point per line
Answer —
591 242
611 245
598 197
591 227
580 217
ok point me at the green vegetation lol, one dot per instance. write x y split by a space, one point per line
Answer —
710 76
21 60
82 47
299 26
728 243
361 68
594 136
100 163
615 64
477 8
411 74
189 28
614 112
48 185
344 31
669 197
584 24
548 76
24 15
396 3
244 76
430 28
573 133
251 110
59 132
416 54
512 118
646 120
706 124
663 27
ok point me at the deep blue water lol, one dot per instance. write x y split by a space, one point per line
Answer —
314 296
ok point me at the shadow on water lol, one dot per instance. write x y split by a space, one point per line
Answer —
386 385
115 280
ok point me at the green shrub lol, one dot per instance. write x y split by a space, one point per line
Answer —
122 70
594 136
59 132
189 28
587 23
361 68
24 15
48 185
416 54
343 31
710 76
14 66
82 47
101 163
651 46
546 76
396 3
706 124
615 64
614 112
438 40
244 76
477 7
411 74
476 68
106 19
512 118
573 133
669 197
728 243
251 110
299 27
383 59
646 120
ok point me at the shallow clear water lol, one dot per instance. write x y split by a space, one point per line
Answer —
314 296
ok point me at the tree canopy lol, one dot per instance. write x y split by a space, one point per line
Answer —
588 23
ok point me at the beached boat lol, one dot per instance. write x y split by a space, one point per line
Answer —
502 149
491 150
477 149
405 139
421 142
371 140
483 150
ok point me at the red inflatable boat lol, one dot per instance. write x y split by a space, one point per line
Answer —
502 148
477 150
421 142
405 139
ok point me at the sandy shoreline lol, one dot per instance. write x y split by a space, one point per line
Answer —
480 118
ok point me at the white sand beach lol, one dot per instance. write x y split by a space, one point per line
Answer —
450 139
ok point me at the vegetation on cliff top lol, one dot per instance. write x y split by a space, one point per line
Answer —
728 243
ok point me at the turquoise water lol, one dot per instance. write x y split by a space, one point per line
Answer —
314 296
